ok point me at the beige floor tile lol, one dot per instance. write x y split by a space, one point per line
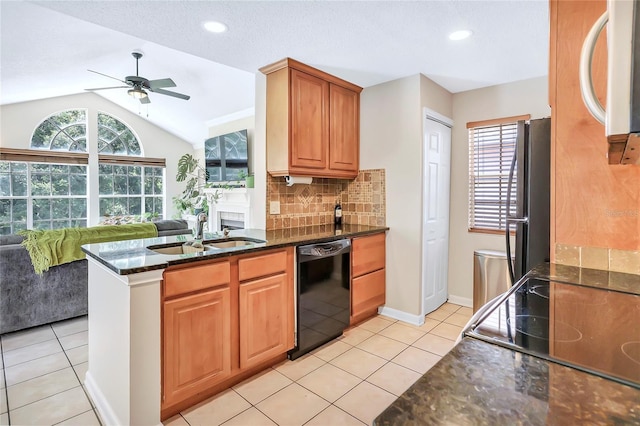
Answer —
74 340
438 315
216 410
376 324
262 385
37 367
3 402
329 382
71 326
176 420
358 362
252 417
332 415
20 339
465 311
435 344
331 350
81 370
54 409
300 367
1 362
41 387
429 324
31 352
2 385
4 419
78 355
88 418
382 346
394 378
355 335
447 331
293 405
457 319
449 307
89 398
402 333
416 359
365 402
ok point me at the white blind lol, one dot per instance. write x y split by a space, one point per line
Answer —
491 150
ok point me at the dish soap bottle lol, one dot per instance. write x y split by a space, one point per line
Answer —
337 214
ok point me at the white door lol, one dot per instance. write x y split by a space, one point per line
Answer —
435 210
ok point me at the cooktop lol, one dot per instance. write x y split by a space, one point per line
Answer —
593 329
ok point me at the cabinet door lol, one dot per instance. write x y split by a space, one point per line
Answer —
196 343
309 121
367 254
367 293
265 329
344 129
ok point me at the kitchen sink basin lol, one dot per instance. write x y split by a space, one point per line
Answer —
232 242
179 249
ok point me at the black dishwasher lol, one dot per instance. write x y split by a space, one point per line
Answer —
323 296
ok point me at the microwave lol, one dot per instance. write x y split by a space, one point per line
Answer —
622 115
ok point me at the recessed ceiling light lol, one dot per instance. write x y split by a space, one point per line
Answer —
215 27
460 35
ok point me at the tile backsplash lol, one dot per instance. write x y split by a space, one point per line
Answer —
607 259
362 201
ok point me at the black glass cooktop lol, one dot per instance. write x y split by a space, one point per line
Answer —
593 329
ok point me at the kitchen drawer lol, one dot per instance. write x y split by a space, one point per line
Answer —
196 278
367 292
367 254
262 265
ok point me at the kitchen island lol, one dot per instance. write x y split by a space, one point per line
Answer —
485 382
126 294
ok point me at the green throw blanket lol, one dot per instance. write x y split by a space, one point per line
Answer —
57 246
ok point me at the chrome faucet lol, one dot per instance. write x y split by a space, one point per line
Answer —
200 221
225 232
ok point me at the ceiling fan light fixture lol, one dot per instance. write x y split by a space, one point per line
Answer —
215 27
137 93
460 35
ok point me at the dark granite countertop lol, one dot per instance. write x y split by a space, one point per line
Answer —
133 256
617 281
478 383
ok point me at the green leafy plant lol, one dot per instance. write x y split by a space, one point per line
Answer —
195 176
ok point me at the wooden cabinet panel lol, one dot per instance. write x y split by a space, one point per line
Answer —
367 292
367 254
180 281
344 129
264 319
309 121
262 265
197 343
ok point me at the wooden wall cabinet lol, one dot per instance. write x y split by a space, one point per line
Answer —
367 276
313 122
223 321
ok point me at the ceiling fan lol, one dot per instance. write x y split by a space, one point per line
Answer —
138 86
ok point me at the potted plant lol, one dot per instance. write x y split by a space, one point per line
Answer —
192 198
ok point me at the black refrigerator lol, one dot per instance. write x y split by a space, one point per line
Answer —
531 168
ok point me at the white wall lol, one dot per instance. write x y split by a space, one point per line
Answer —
522 97
391 138
18 121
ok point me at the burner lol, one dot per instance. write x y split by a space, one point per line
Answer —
538 327
632 351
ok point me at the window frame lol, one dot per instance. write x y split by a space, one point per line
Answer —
502 164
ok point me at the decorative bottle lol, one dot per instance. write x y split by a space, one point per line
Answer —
337 214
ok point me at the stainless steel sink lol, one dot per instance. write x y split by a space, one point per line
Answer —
179 249
232 242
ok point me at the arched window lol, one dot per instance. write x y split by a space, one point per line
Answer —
115 137
63 131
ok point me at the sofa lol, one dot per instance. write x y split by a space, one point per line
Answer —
28 299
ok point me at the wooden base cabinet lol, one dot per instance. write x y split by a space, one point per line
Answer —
313 122
368 282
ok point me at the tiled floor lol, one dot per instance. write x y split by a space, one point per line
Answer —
347 382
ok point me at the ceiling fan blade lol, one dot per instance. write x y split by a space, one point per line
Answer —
145 100
105 88
164 82
96 72
168 93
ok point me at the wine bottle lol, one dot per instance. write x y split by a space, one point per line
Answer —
337 214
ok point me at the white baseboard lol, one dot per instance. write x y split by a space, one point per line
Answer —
107 415
401 315
464 301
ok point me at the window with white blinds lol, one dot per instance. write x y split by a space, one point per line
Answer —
491 147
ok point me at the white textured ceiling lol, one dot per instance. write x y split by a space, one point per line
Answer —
45 51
